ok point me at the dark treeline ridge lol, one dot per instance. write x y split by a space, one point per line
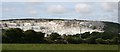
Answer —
45 19
18 36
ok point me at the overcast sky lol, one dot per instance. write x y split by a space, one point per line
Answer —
59 0
100 11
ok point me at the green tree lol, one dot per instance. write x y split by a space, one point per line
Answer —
5 39
54 36
14 35
100 41
108 35
74 40
90 40
85 35
40 37
31 36
114 40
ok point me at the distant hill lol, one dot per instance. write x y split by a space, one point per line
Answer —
99 25
112 27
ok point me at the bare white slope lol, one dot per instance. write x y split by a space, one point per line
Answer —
58 26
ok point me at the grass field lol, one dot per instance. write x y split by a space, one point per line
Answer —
58 47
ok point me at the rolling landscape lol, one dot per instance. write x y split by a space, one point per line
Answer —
59 34
33 26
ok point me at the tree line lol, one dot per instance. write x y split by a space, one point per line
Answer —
18 36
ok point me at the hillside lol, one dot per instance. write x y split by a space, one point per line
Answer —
61 26
60 31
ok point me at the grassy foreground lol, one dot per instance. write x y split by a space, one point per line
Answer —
58 47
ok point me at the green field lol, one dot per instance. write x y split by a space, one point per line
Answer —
58 47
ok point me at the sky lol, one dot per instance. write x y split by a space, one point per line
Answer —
97 11
60 0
